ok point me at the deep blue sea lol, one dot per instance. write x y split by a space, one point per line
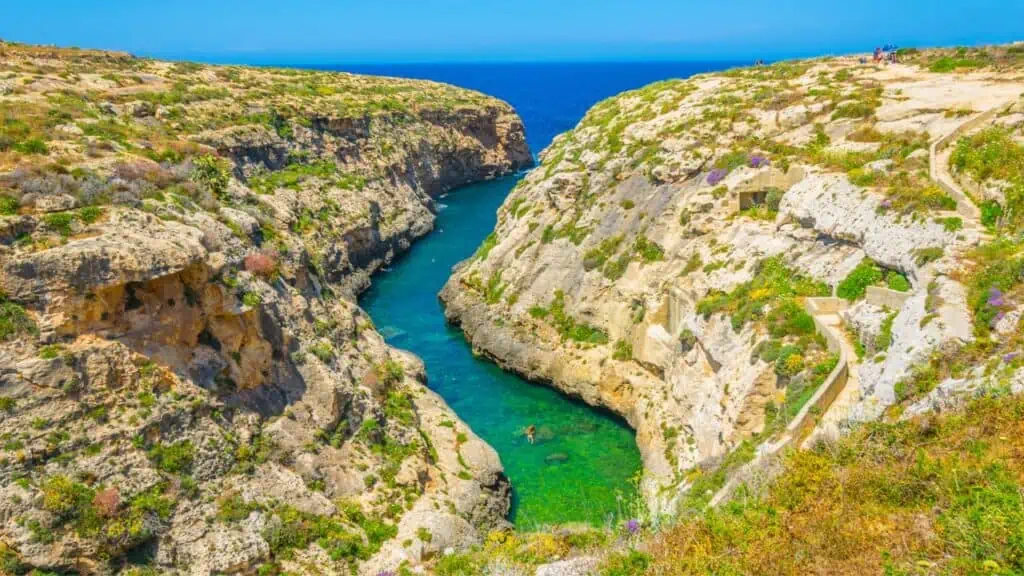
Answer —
550 97
582 467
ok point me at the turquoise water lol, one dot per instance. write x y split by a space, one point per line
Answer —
581 467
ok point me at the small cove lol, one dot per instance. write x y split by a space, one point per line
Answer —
582 463
582 467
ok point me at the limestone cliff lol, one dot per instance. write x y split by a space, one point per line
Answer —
186 383
662 259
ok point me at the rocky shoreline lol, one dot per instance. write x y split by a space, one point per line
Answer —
657 261
186 377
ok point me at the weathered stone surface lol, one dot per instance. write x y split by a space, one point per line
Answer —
631 223
193 371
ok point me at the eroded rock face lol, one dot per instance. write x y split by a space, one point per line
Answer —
186 380
629 269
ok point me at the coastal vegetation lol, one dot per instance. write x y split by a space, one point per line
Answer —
995 156
237 211
226 363
730 199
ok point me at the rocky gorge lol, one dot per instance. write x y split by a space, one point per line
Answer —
186 382
662 259
801 284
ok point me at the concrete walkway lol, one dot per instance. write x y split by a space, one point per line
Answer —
826 409
828 424
940 151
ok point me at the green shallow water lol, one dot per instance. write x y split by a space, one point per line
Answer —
582 466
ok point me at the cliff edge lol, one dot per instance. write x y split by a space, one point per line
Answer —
186 382
664 259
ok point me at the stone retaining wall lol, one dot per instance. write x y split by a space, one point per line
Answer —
755 190
886 298
805 421
940 173
807 418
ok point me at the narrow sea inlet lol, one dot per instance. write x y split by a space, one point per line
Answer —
580 468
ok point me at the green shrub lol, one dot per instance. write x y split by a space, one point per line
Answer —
457 565
66 499
884 338
952 224
856 282
251 299
789 318
90 214
790 361
538 312
991 212
990 154
897 282
632 563
494 289
8 205
615 269
485 248
212 173
154 502
297 530
773 284
32 146
732 160
390 372
173 458
14 321
232 508
50 351
998 267
859 109
398 407
566 325
647 250
923 256
323 350
60 222
951 64
994 154
623 351
548 235
693 264
773 199
596 257
687 339
768 350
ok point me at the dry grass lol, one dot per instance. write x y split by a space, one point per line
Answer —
936 496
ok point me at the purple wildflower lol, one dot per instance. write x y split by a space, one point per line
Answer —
633 526
1010 357
758 161
886 203
386 573
717 175
995 297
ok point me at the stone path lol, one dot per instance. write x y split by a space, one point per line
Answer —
939 155
827 426
830 404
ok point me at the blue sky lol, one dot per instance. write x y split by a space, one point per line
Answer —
323 31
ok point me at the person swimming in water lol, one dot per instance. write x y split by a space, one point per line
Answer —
531 433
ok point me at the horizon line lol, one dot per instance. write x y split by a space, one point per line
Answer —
317 59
